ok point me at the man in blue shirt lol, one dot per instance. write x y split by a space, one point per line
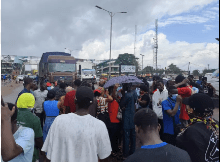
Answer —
28 85
171 112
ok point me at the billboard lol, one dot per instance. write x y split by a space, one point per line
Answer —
128 69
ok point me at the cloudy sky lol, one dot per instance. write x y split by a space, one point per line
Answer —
187 29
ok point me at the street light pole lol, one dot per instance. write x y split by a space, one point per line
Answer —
142 63
111 15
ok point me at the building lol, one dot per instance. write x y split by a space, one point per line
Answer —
103 68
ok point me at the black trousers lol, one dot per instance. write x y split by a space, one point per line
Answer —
114 134
42 117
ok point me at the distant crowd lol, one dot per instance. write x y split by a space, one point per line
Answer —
167 121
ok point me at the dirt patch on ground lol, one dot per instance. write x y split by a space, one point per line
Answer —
7 88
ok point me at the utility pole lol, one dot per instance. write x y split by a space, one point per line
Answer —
188 69
208 66
142 63
135 39
218 54
155 45
111 15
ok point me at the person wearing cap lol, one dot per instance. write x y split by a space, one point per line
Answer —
201 138
51 110
27 119
84 138
69 101
17 142
48 86
153 148
28 85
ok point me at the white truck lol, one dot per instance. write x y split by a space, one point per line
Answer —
213 78
87 71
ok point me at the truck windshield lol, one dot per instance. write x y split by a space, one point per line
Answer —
61 67
88 72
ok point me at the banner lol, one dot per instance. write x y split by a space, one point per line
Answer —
128 69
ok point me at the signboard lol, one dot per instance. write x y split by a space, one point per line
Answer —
128 69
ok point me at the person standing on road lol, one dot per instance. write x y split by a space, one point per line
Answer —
61 92
153 148
17 143
40 96
51 110
171 112
128 110
4 77
144 99
27 119
28 85
86 140
69 101
201 138
183 89
158 97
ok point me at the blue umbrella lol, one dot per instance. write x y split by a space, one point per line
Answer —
133 79
115 80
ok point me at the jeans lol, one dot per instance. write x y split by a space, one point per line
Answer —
48 123
129 137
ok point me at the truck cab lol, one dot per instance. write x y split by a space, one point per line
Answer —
58 67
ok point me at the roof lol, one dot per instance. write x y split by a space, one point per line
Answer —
47 54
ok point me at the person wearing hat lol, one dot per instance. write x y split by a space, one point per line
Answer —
48 86
25 118
153 149
84 138
201 138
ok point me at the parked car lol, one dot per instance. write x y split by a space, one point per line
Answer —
20 77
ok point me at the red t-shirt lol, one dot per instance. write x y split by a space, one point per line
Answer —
184 92
113 111
70 101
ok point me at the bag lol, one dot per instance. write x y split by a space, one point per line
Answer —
119 115
177 127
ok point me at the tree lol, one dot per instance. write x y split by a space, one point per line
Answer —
196 72
128 59
173 69
148 70
208 71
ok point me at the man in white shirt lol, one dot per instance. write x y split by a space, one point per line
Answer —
158 97
84 138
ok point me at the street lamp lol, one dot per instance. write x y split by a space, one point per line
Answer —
111 15
142 63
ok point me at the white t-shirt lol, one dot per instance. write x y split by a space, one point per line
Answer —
74 138
157 100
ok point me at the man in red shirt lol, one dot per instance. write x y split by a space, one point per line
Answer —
69 101
184 90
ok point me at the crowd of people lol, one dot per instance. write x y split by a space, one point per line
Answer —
126 121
